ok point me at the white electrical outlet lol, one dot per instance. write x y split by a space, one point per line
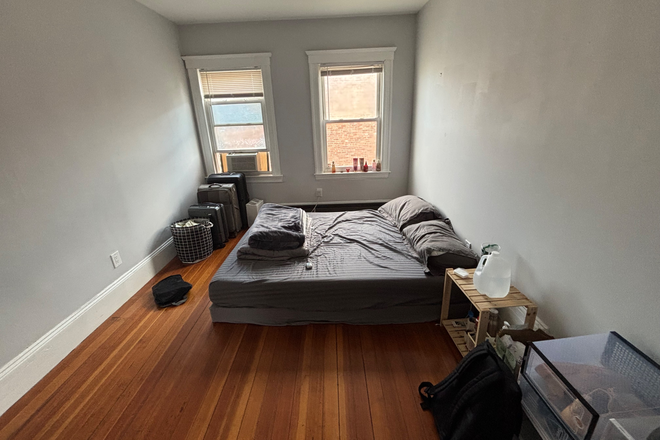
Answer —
319 192
116 259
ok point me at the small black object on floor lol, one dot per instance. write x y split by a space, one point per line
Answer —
171 291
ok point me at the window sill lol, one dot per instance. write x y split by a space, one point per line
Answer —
353 175
266 178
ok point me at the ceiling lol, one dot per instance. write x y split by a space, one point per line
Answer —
215 11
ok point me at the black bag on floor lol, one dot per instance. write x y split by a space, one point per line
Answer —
171 291
479 400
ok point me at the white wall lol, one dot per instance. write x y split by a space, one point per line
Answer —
538 126
288 41
98 152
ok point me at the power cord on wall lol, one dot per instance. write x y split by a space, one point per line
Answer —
317 204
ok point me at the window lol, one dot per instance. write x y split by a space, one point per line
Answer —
351 100
235 113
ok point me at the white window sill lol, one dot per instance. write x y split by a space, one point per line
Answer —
266 178
353 175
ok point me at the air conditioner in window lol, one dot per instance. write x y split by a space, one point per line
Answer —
244 162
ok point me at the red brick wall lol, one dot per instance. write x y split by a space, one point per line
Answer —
351 139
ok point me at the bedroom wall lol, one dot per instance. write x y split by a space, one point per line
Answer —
288 41
98 152
537 128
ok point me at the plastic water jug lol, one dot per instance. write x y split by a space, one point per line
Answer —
492 277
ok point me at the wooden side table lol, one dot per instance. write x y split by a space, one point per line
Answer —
482 304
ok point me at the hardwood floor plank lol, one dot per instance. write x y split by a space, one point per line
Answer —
315 407
259 389
190 394
164 400
232 402
378 383
439 347
331 423
407 373
356 421
305 385
202 419
342 408
284 373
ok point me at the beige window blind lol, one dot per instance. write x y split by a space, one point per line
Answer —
232 83
350 70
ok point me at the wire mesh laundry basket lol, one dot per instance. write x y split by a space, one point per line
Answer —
192 239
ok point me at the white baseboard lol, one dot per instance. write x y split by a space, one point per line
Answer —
25 370
345 202
517 315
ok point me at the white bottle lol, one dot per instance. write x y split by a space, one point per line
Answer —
492 277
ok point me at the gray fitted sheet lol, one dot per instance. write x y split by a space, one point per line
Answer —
361 266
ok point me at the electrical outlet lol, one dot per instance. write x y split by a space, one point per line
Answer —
319 192
468 244
116 259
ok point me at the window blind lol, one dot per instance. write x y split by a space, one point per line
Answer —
350 70
232 83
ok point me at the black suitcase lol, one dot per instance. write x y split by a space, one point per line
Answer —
224 225
225 194
237 179
213 212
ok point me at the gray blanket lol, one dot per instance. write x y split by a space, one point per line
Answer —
277 228
246 252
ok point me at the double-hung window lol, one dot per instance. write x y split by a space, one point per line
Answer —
351 102
235 113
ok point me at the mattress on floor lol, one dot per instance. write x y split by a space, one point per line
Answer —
360 262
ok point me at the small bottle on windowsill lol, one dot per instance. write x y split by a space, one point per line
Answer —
373 165
378 166
334 169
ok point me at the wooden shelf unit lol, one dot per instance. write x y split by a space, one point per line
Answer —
457 334
482 304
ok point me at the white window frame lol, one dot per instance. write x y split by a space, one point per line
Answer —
205 127
321 58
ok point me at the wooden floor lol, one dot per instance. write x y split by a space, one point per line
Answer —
172 373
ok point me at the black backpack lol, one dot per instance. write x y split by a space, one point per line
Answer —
479 400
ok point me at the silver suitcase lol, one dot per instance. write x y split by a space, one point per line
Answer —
224 193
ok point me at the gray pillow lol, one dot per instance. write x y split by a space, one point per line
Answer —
439 247
409 210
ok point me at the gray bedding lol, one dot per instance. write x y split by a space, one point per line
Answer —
247 252
277 228
363 271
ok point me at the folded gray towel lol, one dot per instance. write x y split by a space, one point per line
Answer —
246 252
277 228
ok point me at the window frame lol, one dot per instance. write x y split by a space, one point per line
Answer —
349 57
205 124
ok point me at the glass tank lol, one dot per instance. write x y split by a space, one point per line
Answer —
590 386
